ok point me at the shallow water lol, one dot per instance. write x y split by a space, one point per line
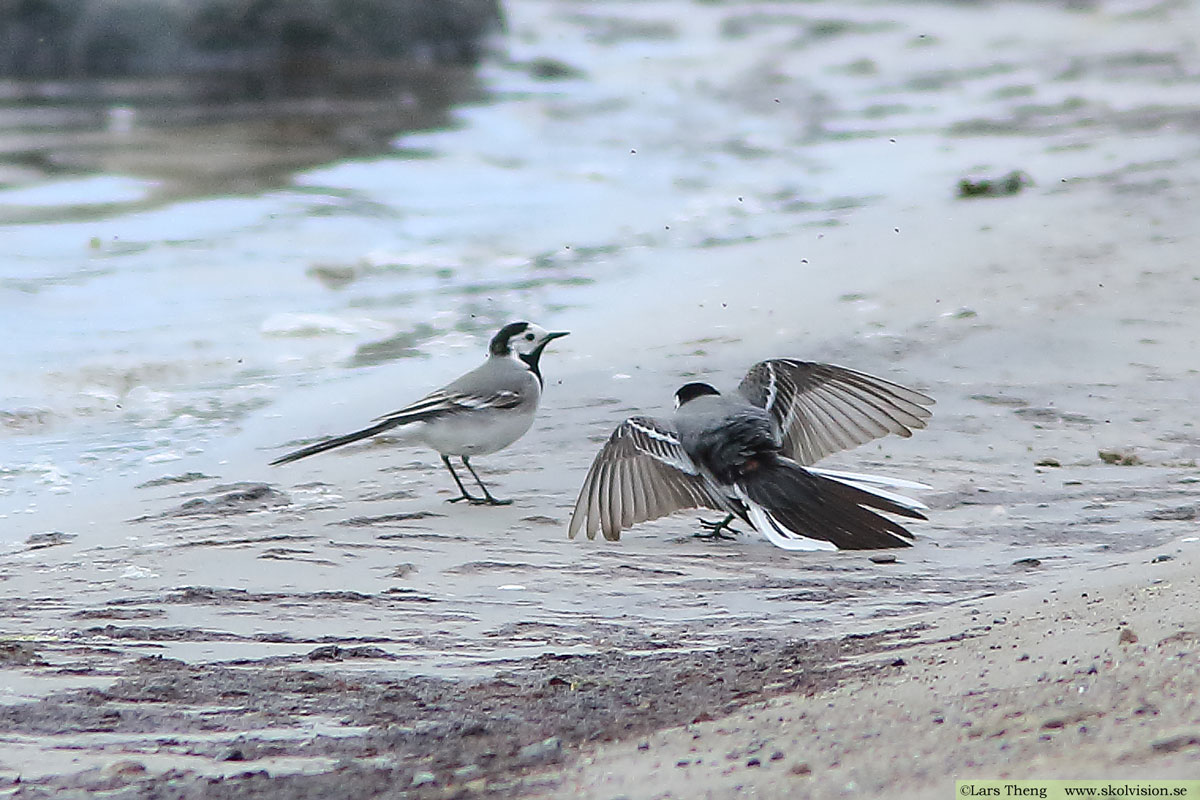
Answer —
148 308
169 308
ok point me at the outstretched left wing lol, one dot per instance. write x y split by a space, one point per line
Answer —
641 473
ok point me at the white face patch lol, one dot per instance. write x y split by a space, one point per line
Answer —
527 340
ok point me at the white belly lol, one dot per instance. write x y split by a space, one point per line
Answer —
474 436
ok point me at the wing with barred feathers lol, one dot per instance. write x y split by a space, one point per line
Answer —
823 408
641 473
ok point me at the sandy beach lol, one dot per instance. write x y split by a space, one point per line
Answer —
213 627
1087 680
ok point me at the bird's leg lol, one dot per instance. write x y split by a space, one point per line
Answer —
487 496
716 530
464 496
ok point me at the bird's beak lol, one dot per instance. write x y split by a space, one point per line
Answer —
554 335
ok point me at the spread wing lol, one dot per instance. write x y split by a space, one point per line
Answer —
641 473
823 408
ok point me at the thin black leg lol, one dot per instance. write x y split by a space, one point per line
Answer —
461 488
716 530
487 495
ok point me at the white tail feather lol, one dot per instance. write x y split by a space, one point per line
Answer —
868 480
871 484
765 523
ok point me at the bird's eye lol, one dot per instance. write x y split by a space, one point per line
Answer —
529 337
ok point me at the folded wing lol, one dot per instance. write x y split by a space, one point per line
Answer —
641 473
439 404
445 402
823 408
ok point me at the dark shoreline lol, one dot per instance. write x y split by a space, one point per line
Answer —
70 39
426 737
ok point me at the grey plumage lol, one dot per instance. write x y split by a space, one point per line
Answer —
744 455
484 411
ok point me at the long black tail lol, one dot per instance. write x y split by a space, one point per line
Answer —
337 441
799 505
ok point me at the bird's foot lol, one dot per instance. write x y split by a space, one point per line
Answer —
479 501
715 536
718 530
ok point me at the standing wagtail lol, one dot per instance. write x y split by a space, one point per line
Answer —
482 412
747 454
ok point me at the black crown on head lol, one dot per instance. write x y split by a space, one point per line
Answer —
499 345
690 391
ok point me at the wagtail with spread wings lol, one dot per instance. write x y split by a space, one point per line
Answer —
748 454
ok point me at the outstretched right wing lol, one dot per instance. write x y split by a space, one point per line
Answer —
823 408
641 473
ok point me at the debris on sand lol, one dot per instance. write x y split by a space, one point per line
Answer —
1122 458
1003 186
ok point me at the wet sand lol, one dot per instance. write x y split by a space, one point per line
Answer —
226 629
342 627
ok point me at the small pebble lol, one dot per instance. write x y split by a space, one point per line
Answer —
546 750
127 768
1176 743
424 779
